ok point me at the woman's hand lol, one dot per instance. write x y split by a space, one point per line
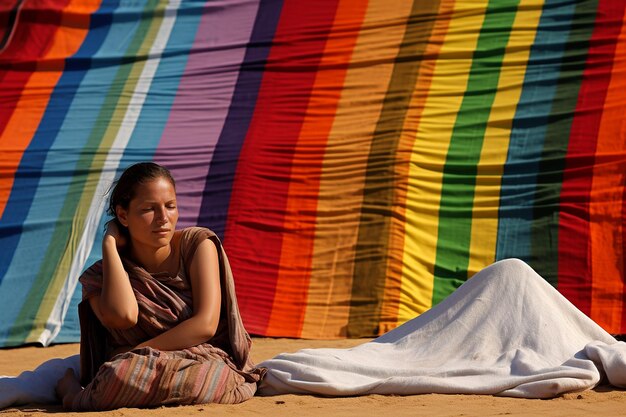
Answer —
113 231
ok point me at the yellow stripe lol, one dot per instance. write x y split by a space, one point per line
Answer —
451 71
497 136
393 284
344 166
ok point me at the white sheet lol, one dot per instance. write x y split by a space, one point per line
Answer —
506 332
36 386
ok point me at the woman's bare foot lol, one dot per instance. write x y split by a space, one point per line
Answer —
67 388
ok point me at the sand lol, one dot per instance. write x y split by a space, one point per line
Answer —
606 401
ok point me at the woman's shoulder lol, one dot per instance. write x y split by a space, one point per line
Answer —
191 237
192 231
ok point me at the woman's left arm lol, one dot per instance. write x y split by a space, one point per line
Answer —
207 300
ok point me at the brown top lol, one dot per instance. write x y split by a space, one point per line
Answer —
164 300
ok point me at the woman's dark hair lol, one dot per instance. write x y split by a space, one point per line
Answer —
124 189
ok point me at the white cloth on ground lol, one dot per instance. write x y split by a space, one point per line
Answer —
36 386
506 331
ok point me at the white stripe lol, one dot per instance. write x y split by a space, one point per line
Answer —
55 321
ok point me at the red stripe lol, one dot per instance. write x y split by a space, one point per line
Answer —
8 15
575 273
294 273
622 328
31 40
255 226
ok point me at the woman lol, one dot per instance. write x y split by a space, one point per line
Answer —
159 318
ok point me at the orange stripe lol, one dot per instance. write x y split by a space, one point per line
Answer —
290 301
606 194
393 285
31 106
343 171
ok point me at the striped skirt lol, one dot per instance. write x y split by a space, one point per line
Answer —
148 377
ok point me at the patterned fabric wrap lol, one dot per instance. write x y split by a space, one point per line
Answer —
216 371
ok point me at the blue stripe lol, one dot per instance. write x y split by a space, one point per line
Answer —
155 111
528 132
28 233
149 128
221 175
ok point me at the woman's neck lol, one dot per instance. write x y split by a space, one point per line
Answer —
152 259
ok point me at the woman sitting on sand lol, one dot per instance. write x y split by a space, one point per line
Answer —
159 318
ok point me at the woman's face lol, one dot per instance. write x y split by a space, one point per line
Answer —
152 215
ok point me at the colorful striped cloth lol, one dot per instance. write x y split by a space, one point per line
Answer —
359 159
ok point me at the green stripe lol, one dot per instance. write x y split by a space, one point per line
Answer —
372 248
545 225
85 178
460 170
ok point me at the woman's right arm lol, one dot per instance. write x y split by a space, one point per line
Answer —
116 306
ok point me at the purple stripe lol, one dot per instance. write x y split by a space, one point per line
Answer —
203 98
219 183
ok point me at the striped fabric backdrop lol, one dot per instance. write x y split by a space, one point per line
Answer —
359 159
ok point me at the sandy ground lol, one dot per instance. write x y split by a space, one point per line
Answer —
605 401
